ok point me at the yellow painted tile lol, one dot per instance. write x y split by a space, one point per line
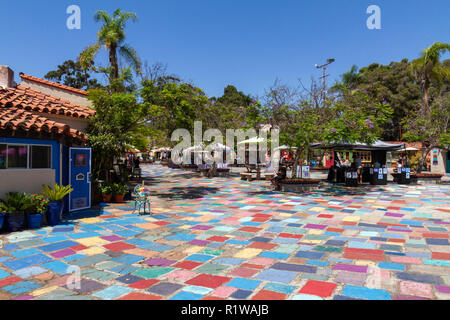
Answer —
365 263
311 241
93 250
194 249
352 218
94 241
248 253
42 291
314 231
316 209
91 220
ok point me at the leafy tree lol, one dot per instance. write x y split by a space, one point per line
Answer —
71 74
112 36
428 68
172 104
119 121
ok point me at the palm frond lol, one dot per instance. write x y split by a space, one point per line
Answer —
87 57
131 56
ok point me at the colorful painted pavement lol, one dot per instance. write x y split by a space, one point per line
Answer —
223 238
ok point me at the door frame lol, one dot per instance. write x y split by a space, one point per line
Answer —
89 177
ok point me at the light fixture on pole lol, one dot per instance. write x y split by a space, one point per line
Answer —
324 66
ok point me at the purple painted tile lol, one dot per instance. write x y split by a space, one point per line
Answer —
63 253
391 214
159 262
199 242
443 289
87 286
315 226
350 267
400 230
24 298
201 227
112 238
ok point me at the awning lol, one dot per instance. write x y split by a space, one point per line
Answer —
359 146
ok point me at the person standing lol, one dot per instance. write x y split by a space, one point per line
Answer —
358 164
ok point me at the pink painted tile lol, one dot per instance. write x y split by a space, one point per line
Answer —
262 261
181 275
406 260
416 289
223 292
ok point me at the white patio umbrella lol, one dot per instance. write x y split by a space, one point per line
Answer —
253 140
285 148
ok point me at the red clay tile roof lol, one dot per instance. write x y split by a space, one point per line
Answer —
15 119
28 99
417 145
52 84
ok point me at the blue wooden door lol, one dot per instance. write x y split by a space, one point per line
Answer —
80 179
448 161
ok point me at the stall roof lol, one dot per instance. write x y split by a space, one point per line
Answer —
377 145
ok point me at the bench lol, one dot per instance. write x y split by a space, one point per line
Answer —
246 176
269 176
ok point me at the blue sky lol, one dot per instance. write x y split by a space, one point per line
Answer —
247 43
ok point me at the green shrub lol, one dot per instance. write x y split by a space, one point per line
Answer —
120 189
17 201
106 188
57 193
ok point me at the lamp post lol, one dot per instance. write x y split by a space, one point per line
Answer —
324 66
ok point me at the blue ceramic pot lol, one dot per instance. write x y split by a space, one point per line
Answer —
54 212
2 219
35 220
16 221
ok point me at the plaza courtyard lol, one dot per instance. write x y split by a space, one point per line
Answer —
223 238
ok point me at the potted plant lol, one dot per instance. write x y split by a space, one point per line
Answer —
107 191
17 203
119 192
3 210
55 196
36 211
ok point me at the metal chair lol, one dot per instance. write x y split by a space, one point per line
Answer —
141 200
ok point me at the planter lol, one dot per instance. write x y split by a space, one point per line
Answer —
16 221
118 198
2 220
299 185
106 197
54 212
35 220
426 178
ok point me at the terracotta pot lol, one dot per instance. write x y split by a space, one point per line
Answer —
106 197
118 198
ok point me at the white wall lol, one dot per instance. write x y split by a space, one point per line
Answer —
23 180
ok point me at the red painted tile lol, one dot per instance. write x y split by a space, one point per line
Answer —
337 230
262 245
140 296
10 280
207 280
364 256
212 298
396 240
439 235
118 246
249 229
328 216
188 265
218 239
79 248
268 295
318 288
440 255
291 236
161 223
365 251
143 284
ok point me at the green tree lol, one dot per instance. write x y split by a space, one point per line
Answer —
71 74
428 69
112 36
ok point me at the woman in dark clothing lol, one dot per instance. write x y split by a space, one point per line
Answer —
281 175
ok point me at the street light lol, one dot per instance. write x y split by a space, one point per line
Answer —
329 61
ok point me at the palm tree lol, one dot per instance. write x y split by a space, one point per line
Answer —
428 69
112 36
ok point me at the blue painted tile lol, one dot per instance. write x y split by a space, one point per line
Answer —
241 294
274 255
242 283
58 246
392 266
199 257
186 296
57 266
112 292
27 262
366 293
